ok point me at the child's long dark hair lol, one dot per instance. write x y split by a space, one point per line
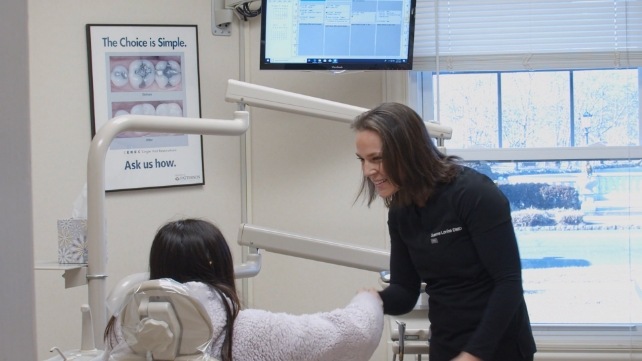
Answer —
195 250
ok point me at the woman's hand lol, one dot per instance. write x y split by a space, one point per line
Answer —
373 292
465 356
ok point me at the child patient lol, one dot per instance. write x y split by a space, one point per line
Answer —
194 253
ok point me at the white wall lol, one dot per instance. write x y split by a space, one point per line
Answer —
17 319
304 174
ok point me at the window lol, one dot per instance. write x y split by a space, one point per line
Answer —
544 97
541 109
564 146
586 200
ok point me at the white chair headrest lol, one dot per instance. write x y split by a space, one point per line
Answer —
162 318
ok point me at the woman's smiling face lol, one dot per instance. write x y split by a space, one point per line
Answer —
369 152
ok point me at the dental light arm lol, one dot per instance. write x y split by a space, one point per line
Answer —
96 232
290 244
275 99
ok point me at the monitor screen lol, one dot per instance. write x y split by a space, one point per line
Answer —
337 34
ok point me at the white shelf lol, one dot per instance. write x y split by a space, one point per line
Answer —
75 274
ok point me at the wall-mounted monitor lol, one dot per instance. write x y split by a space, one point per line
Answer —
337 34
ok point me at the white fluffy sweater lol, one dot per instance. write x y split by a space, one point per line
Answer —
351 333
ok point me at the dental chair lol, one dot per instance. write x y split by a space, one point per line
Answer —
161 321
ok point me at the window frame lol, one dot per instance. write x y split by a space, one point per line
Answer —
621 339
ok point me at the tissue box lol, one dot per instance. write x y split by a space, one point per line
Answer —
72 240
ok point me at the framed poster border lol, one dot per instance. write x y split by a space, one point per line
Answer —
146 69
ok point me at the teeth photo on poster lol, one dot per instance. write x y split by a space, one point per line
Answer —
146 70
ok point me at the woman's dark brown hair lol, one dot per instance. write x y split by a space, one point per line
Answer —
409 157
195 250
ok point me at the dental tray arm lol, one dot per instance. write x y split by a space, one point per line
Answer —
271 240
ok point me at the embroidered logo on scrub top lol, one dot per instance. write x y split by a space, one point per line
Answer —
433 236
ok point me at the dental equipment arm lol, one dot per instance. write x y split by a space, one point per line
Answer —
290 244
275 99
96 232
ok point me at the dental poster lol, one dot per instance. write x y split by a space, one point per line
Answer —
146 70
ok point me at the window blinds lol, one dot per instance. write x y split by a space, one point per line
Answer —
502 35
